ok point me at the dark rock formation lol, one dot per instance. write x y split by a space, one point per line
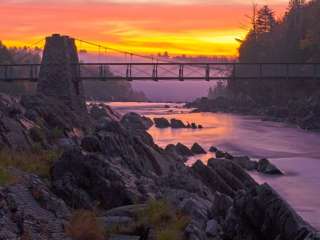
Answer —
245 163
29 210
91 144
175 123
183 150
134 120
161 122
266 167
197 149
213 149
81 180
272 218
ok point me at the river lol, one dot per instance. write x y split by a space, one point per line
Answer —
295 151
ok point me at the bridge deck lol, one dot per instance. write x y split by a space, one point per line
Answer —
174 71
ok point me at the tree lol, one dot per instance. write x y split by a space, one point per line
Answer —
5 55
265 22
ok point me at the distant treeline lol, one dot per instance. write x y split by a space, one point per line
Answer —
293 38
95 90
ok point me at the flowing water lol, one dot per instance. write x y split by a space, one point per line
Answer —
295 151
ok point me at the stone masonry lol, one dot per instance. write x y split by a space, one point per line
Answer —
59 73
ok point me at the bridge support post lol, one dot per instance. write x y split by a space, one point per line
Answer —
59 73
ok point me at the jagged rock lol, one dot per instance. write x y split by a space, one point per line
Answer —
193 126
90 144
197 149
30 211
221 204
83 179
266 167
54 114
213 149
135 121
172 151
101 111
213 228
245 163
270 216
176 123
224 176
183 150
220 154
161 122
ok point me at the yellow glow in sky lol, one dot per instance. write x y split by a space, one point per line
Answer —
192 27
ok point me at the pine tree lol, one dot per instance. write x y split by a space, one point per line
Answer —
265 20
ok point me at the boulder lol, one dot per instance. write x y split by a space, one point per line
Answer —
161 122
135 121
175 123
264 166
197 149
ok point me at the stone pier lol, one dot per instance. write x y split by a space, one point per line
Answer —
58 76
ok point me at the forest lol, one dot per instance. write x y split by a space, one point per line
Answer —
294 38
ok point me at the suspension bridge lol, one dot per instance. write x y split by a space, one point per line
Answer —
138 67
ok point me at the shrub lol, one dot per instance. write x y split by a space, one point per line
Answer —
84 225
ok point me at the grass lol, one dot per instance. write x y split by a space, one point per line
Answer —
162 218
84 225
35 161
167 222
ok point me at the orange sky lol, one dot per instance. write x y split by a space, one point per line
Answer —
197 27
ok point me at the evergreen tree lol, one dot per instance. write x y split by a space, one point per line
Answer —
265 20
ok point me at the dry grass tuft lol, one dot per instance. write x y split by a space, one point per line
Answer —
84 225
34 161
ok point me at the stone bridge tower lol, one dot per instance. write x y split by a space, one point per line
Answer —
58 76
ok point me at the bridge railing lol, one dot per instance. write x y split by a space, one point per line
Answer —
172 71
19 72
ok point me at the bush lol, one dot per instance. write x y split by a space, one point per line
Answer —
84 225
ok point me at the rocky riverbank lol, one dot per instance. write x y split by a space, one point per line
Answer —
303 112
109 178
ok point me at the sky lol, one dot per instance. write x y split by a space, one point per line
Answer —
192 27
